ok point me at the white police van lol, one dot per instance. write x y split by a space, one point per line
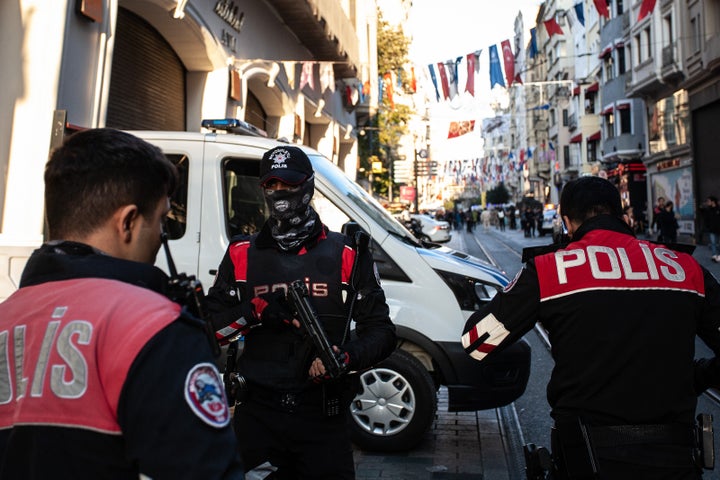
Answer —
430 290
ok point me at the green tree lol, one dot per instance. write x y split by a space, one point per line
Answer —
498 195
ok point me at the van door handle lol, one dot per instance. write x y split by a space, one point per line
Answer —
212 271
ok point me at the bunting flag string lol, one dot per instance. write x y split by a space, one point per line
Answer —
496 77
602 8
434 81
646 8
443 80
509 60
579 13
552 27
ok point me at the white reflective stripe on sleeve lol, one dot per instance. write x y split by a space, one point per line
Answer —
484 337
231 329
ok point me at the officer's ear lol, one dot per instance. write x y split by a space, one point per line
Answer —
569 225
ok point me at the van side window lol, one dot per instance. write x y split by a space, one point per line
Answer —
243 201
176 222
329 213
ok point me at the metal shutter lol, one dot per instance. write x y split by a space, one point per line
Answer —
147 84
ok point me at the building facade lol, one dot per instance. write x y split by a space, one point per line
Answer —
295 69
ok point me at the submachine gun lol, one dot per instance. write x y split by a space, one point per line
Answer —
187 291
303 310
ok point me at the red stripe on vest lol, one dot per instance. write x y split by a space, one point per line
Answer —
239 256
607 260
348 259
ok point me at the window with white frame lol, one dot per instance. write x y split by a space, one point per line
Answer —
621 59
610 125
624 117
608 67
695 34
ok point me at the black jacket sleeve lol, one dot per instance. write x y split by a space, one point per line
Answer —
707 370
375 333
227 307
163 435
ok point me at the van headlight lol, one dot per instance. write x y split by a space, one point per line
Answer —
470 293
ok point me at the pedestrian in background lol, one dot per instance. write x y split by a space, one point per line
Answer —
667 224
114 379
619 337
711 217
657 209
501 219
293 421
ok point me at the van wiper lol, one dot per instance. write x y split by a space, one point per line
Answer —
409 239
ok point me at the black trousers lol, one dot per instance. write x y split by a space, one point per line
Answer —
301 444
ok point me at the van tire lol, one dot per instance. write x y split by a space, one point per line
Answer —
397 389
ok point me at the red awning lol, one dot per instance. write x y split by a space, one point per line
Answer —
623 106
594 137
576 91
577 138
605 52
592 88
607 110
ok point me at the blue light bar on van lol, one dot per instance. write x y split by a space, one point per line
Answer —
233 125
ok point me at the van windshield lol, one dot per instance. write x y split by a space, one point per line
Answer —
360 197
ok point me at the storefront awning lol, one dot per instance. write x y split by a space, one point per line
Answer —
607 110
576 91
623 106
605 51
594 137
577 138
592 88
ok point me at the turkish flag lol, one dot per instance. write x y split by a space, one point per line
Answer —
552 27
470 82
444 80
646 9
509 60
601 6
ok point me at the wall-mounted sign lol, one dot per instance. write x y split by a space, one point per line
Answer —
230 13
665 164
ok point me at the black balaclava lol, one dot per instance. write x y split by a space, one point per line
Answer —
292 220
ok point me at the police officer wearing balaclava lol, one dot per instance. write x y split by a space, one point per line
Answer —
287 420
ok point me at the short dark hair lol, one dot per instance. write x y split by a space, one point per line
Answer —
587 197
95 172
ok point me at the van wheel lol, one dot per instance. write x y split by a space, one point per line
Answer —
395 405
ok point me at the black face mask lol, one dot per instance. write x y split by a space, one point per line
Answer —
292 219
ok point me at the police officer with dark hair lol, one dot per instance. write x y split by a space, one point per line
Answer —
292 420
622 316
101 375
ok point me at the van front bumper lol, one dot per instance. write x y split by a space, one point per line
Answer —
493 382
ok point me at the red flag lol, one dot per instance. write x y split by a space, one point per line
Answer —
552 27
646 9
388 81
413 80
470 84
444 80
601 6
509 60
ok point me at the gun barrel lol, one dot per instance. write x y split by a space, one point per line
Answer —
300 301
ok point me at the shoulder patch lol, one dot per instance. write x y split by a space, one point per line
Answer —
205 394
513 281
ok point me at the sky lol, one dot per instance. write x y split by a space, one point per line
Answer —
445 29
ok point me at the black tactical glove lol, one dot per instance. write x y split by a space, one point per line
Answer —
272 309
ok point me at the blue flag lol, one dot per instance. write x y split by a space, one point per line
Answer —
434 80
579 12
496 75
532 48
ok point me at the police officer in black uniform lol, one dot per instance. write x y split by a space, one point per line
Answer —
622 316
102 375
292 420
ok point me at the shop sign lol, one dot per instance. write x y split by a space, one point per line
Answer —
665 164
